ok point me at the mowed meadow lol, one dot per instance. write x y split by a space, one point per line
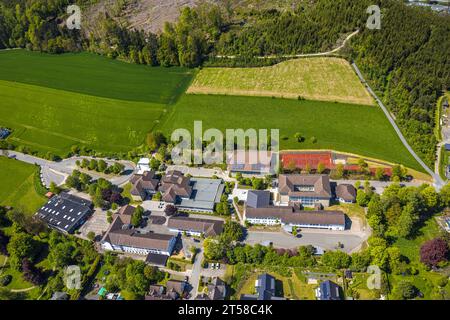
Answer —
358 129
18 185
53 102
325 79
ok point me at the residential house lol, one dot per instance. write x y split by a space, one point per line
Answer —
346 193
265 289
328 290
143 185
65 212
305 190
176 289
217 290
195 226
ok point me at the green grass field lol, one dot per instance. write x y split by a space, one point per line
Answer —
350 128
325 79
53 102
94 75
17 188
53 120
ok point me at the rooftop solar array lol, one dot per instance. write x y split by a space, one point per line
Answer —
65 212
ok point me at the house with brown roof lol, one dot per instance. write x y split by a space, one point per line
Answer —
121 237
195 226
191 194
143 185
304 190
346 193
175 185
217 290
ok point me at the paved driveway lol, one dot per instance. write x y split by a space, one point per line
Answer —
57 172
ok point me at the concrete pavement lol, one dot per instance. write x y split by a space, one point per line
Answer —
322 238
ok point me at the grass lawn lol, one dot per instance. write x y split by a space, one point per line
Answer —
359 283
357 129
289 287
94 75
351 210
17 188
425 280
49 120
325 79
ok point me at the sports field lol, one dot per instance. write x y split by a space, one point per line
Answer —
17 185
350 128
95 75
324 79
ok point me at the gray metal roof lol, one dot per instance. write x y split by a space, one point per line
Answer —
258 198
205 194
65 212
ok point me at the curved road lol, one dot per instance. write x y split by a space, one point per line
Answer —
438 182
57 172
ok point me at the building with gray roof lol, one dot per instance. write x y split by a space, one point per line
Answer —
258 198
65 212
204 196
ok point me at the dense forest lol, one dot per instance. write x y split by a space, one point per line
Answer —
407 61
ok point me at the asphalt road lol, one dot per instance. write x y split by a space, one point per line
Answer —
57 172
328 240
196 273
439 183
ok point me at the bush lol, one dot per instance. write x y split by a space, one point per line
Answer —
5 280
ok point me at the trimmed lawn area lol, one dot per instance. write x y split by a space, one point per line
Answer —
49 120
359 284
291 287
325 79
94 75
357 129
17 188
